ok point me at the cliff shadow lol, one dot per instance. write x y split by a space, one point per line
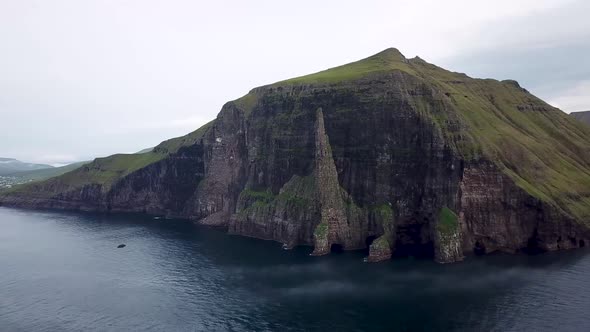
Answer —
336 248
414 239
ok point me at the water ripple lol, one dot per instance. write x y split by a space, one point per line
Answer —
63 272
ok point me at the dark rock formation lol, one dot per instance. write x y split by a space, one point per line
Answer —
333 227
390 154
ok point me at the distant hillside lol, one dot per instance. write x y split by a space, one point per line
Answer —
46 173
9 165
582 116
146 150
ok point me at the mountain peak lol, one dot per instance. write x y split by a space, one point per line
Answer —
386 60
391 54
10 165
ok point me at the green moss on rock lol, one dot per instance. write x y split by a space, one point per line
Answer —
447 222
297 194
265 196
321 230
384 213
381 243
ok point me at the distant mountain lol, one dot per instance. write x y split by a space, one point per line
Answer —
9 165
46 173
582 116
146 150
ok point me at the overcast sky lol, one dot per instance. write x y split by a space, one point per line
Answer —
81 78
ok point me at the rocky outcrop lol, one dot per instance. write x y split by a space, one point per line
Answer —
388 154
379 250
448 246
333 227
224 156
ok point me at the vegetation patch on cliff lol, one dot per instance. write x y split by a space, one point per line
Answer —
253 195
381 243
299 191
321 230
448 223
297 194
384 213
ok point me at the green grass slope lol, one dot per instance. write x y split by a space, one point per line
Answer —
108 170
387 60
172 145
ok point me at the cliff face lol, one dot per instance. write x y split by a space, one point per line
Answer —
390 154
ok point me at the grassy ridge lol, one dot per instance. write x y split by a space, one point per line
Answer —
172 145
107 171
102 171
387 60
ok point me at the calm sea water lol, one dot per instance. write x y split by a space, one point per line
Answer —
63 272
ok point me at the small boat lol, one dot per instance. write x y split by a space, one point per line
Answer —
121 246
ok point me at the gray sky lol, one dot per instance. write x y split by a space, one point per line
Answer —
81 79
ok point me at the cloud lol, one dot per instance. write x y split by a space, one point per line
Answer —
545 50
56 159
188 123
576 98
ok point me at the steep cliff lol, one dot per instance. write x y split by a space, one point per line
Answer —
391 154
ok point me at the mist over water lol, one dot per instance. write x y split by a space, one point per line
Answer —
63 272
